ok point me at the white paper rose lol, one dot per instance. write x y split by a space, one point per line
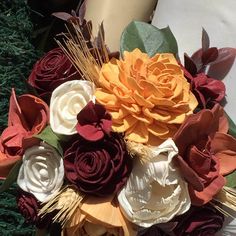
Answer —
155 191
42 172
67 101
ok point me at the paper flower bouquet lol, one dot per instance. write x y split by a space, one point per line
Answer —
129 143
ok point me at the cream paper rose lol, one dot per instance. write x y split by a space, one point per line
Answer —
67 101
42 172
155 191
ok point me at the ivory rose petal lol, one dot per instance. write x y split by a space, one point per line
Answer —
42 172
67 101
142 93
155 192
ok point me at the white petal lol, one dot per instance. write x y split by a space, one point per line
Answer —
42 172
155 191
67 101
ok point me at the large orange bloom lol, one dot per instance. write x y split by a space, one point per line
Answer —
148 98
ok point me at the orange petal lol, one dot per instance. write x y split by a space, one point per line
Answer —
138 133
6 163
203 197
224 147
75 220
102 210
128 227
15 115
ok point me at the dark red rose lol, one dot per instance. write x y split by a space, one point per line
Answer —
208 91
98 168
93 122
199 221
28 207
202 142
53 69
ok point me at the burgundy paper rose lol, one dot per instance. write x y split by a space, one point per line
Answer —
98 168
199 221
28 207
208 91
204 153
50 71
93 122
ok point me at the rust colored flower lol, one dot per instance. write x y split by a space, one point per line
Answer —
53 69
93 122
148 98
28 115
206 153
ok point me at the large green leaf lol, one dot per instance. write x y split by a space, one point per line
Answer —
51 138
148 39
232 127
12 177
231 180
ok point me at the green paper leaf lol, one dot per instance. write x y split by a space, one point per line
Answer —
51 138
231 180
12 177
232 126
148 39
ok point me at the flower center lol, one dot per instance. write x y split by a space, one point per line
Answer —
43 173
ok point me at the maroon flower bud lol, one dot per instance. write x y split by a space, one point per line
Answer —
93 122
29 206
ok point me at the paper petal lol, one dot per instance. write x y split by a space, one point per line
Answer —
201 198
102 210
6 164
224 146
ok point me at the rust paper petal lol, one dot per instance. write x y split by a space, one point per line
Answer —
224 124
224 146
6 164
196 126
189 174
28 111
35 112
12 137
201 198
15 115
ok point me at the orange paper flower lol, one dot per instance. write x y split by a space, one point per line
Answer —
98 216
148 98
